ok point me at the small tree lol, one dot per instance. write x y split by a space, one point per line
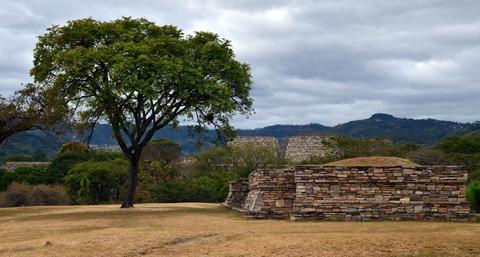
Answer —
159 163
250 157
141 77
473 195
94 182
241 159
160 160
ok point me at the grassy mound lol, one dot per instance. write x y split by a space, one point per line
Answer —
373 161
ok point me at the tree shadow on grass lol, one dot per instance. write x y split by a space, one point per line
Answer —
125 215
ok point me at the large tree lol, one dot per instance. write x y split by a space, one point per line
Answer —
141 77
33 107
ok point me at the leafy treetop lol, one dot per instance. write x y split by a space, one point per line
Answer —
141 77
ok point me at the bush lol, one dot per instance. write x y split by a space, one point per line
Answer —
27 195
74 146
430 157
16 195
474 175
6 178
214 159
349 147
69 156
466 144
47 195
239 159
473 195
30 175
95 182
63 162
210 188
170 191
160 162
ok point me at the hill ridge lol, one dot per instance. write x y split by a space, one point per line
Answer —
399 130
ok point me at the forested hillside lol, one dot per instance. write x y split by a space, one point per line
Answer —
399 130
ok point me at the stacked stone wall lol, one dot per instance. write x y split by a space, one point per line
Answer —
106 148
11 166
366 193
357 193
254 140
238 191
300 148
271 193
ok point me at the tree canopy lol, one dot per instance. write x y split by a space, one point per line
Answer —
33 107
141 77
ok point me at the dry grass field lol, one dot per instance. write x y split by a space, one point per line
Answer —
196 229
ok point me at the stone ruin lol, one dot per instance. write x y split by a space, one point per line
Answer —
300 148
297 149
255 140
11 166
353 193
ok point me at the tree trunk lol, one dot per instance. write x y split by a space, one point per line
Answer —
132 183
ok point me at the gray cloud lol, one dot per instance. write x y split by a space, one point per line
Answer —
312 61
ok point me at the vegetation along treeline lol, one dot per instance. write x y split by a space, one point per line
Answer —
89 177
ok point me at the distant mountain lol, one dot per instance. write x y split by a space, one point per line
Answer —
421 131
28 143
281 131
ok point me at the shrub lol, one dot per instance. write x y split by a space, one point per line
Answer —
16 195
214 159
250 157
463 150
430 157
26 195
240 159
210 188
63 162
6 178
160 162
349 147
30 175
466 144
95 182
473 195
73 146
170 191
162 150
71 155
474 175
47 195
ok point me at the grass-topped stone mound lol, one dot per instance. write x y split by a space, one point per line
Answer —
365 188
374 161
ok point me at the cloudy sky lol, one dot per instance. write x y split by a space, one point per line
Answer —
325 61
